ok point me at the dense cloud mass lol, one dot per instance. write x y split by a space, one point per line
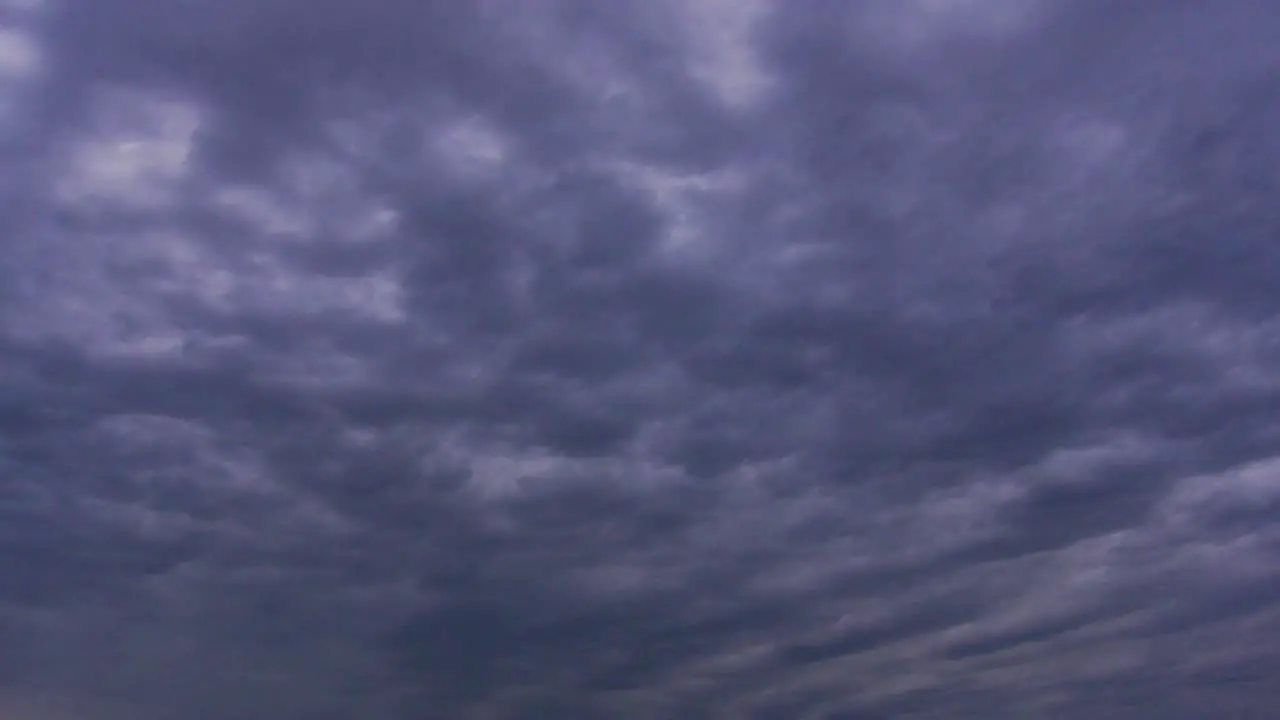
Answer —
651 359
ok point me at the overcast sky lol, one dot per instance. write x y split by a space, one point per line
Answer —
671 359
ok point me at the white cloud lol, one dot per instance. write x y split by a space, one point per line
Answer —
134 157
20 64
915 27
722 47
471 148
19 55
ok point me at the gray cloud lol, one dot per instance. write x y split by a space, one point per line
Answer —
689 360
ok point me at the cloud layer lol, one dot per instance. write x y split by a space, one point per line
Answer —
642 359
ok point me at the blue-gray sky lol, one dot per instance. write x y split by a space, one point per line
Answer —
654 359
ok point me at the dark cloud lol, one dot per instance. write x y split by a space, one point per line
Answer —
677 359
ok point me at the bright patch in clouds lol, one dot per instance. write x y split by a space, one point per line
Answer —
135 156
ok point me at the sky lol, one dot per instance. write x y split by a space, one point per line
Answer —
671 359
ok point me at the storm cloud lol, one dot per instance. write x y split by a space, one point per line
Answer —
697 359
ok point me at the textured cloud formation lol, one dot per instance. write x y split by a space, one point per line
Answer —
710 359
